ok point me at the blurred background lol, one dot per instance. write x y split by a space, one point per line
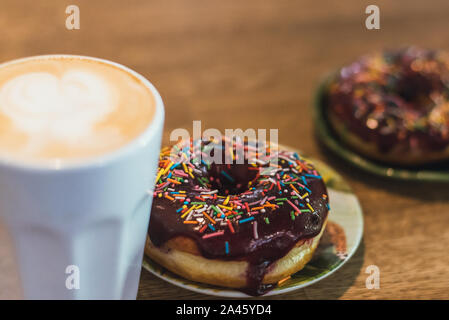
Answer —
225 61
256 64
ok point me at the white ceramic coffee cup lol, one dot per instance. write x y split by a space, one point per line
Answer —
79 227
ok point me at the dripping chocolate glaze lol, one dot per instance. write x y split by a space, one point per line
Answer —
274 241
389 93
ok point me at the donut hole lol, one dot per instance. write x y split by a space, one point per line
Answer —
231 179
419 77
232 174
415 89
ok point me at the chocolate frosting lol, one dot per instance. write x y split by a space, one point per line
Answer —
396 99
277 230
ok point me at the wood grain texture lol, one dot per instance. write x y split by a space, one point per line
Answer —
256 64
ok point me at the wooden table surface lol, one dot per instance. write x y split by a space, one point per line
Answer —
256 64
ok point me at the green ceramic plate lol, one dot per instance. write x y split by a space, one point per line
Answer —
339 242
436 173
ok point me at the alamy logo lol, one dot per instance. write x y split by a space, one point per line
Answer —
373 280
234 146
73 279
372 22
72 22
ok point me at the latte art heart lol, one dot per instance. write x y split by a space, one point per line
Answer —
65 108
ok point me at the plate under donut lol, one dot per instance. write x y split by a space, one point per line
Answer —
339 242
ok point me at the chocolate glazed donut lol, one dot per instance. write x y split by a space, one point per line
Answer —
393 106
255 211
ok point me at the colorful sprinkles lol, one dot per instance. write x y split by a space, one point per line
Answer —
400 96
209 204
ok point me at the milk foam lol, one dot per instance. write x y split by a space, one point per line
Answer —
64 108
